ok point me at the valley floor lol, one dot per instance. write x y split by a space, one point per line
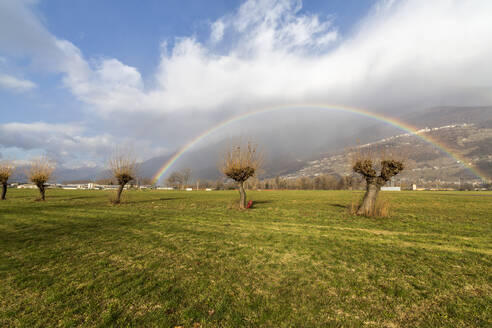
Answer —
297 259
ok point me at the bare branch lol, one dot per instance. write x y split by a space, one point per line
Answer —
123 166
368 164
7 167
40 172
241 162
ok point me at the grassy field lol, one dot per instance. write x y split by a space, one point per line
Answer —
298 259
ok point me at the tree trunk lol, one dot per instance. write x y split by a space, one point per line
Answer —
369 202
242 195
4 190
41 191
118 195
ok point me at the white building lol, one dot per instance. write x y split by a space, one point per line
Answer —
390 188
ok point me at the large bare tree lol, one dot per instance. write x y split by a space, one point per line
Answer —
241 163
376 171
123 166
6 169
40 172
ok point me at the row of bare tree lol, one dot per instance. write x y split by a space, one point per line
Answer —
241 162
39 172
6 170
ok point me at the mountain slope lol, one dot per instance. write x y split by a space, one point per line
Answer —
425 161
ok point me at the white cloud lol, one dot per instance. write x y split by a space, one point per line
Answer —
405 54
57 139
67 142
9 82
217 31
42 127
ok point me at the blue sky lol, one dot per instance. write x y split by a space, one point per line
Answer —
78 78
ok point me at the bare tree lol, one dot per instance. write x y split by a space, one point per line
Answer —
6 169
219 184
123 166
40 172
185 176
175 180
241 163
146 181
376 171
179 179
105 181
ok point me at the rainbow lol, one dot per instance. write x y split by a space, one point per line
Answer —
391 121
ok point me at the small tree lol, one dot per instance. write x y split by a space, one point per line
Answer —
146 181
6 170
241 163
185 176
40 172
368 166
174 180
124 169
179 179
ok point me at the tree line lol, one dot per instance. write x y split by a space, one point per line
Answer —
320 182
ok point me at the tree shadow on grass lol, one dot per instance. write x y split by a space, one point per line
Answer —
471 195
51 233
150 200
257 202
82 197
40 208
80 228
338 205
62 204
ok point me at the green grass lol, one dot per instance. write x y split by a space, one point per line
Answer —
298 259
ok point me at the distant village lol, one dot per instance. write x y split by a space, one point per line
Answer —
95 186
302 183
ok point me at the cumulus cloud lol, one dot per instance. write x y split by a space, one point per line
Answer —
9 82
404 54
